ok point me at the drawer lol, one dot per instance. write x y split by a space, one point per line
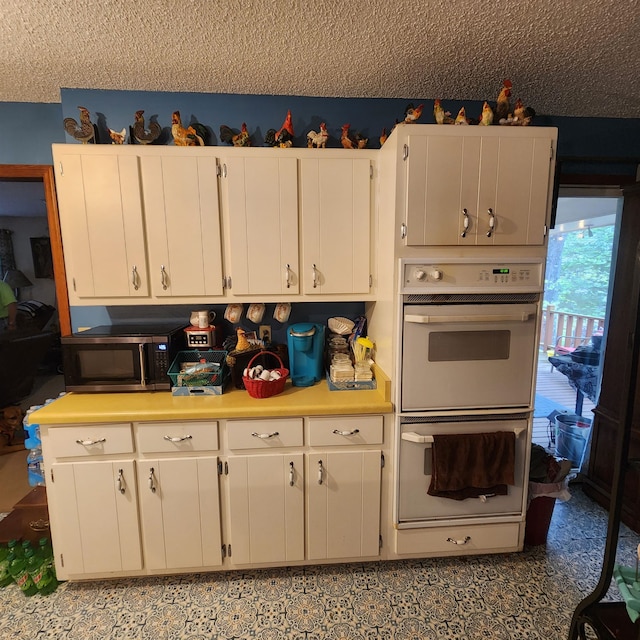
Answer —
90 440
458 539
264 434
345 430
172 437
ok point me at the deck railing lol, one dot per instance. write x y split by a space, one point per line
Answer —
572 327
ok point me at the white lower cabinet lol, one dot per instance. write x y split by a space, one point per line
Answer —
180 512
96 517
343 504
266 508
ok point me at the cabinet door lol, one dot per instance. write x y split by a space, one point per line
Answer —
262 201
96 517
180 512
514 185
101 225
441 190
266 508
336 222
343 504
183 225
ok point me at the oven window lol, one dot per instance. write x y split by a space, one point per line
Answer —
112 364
460 346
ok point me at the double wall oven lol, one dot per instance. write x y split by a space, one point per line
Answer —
467 361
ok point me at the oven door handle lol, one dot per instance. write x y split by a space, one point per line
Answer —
507 317
412 436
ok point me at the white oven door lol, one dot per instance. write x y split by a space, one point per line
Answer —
416 506
467 356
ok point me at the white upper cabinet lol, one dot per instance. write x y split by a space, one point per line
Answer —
183 224
335 196
101 223
476 185
261 197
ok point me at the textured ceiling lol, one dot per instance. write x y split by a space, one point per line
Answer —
566 57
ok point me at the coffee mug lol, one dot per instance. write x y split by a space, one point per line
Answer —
202 319
233 312
255 312
282 311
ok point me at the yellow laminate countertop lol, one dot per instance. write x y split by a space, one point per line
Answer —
81 408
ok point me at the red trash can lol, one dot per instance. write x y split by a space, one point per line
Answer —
538 520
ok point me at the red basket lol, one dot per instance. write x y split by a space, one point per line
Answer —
258 388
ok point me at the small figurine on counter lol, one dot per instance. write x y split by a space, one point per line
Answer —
85 132
522 115
486 118
318 140
193 136
117 137
283 137
243 343
503 106
383 137
242 139
142 135
352 141
439 114
411 113
461 118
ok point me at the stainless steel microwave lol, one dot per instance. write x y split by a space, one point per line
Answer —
126 357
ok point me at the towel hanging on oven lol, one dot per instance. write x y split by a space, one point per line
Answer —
472 465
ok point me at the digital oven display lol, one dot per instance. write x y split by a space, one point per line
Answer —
501 271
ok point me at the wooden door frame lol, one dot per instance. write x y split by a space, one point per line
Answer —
44 173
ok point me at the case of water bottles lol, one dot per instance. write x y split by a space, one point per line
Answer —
32 442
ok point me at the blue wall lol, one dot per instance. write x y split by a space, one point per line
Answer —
28 129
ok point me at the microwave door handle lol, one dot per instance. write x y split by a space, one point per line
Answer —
507 317
143 368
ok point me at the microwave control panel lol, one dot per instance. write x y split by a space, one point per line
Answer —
471 276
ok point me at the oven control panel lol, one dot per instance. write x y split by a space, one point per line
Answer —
471 276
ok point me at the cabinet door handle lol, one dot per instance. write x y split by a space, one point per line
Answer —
291 473
492 222
465 223
463 541
134 277
346 433
152 480
265 436
288 275
163 277
320 471
89 442
315 276
120 485
177 438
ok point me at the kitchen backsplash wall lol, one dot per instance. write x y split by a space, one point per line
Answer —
84 317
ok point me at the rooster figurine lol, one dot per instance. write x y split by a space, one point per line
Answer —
439 114
86 131
461 118
318 140
242 139
383 136
283 137
347 139
522 115
411 113
486 118
503 107
142 135
192 136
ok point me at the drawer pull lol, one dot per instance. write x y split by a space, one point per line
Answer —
88 443
177 438
464 541
265 436
346 433
291 474
152 480
320 471
120 485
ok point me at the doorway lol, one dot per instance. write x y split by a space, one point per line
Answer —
578 283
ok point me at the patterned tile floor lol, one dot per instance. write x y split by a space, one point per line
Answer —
530 595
